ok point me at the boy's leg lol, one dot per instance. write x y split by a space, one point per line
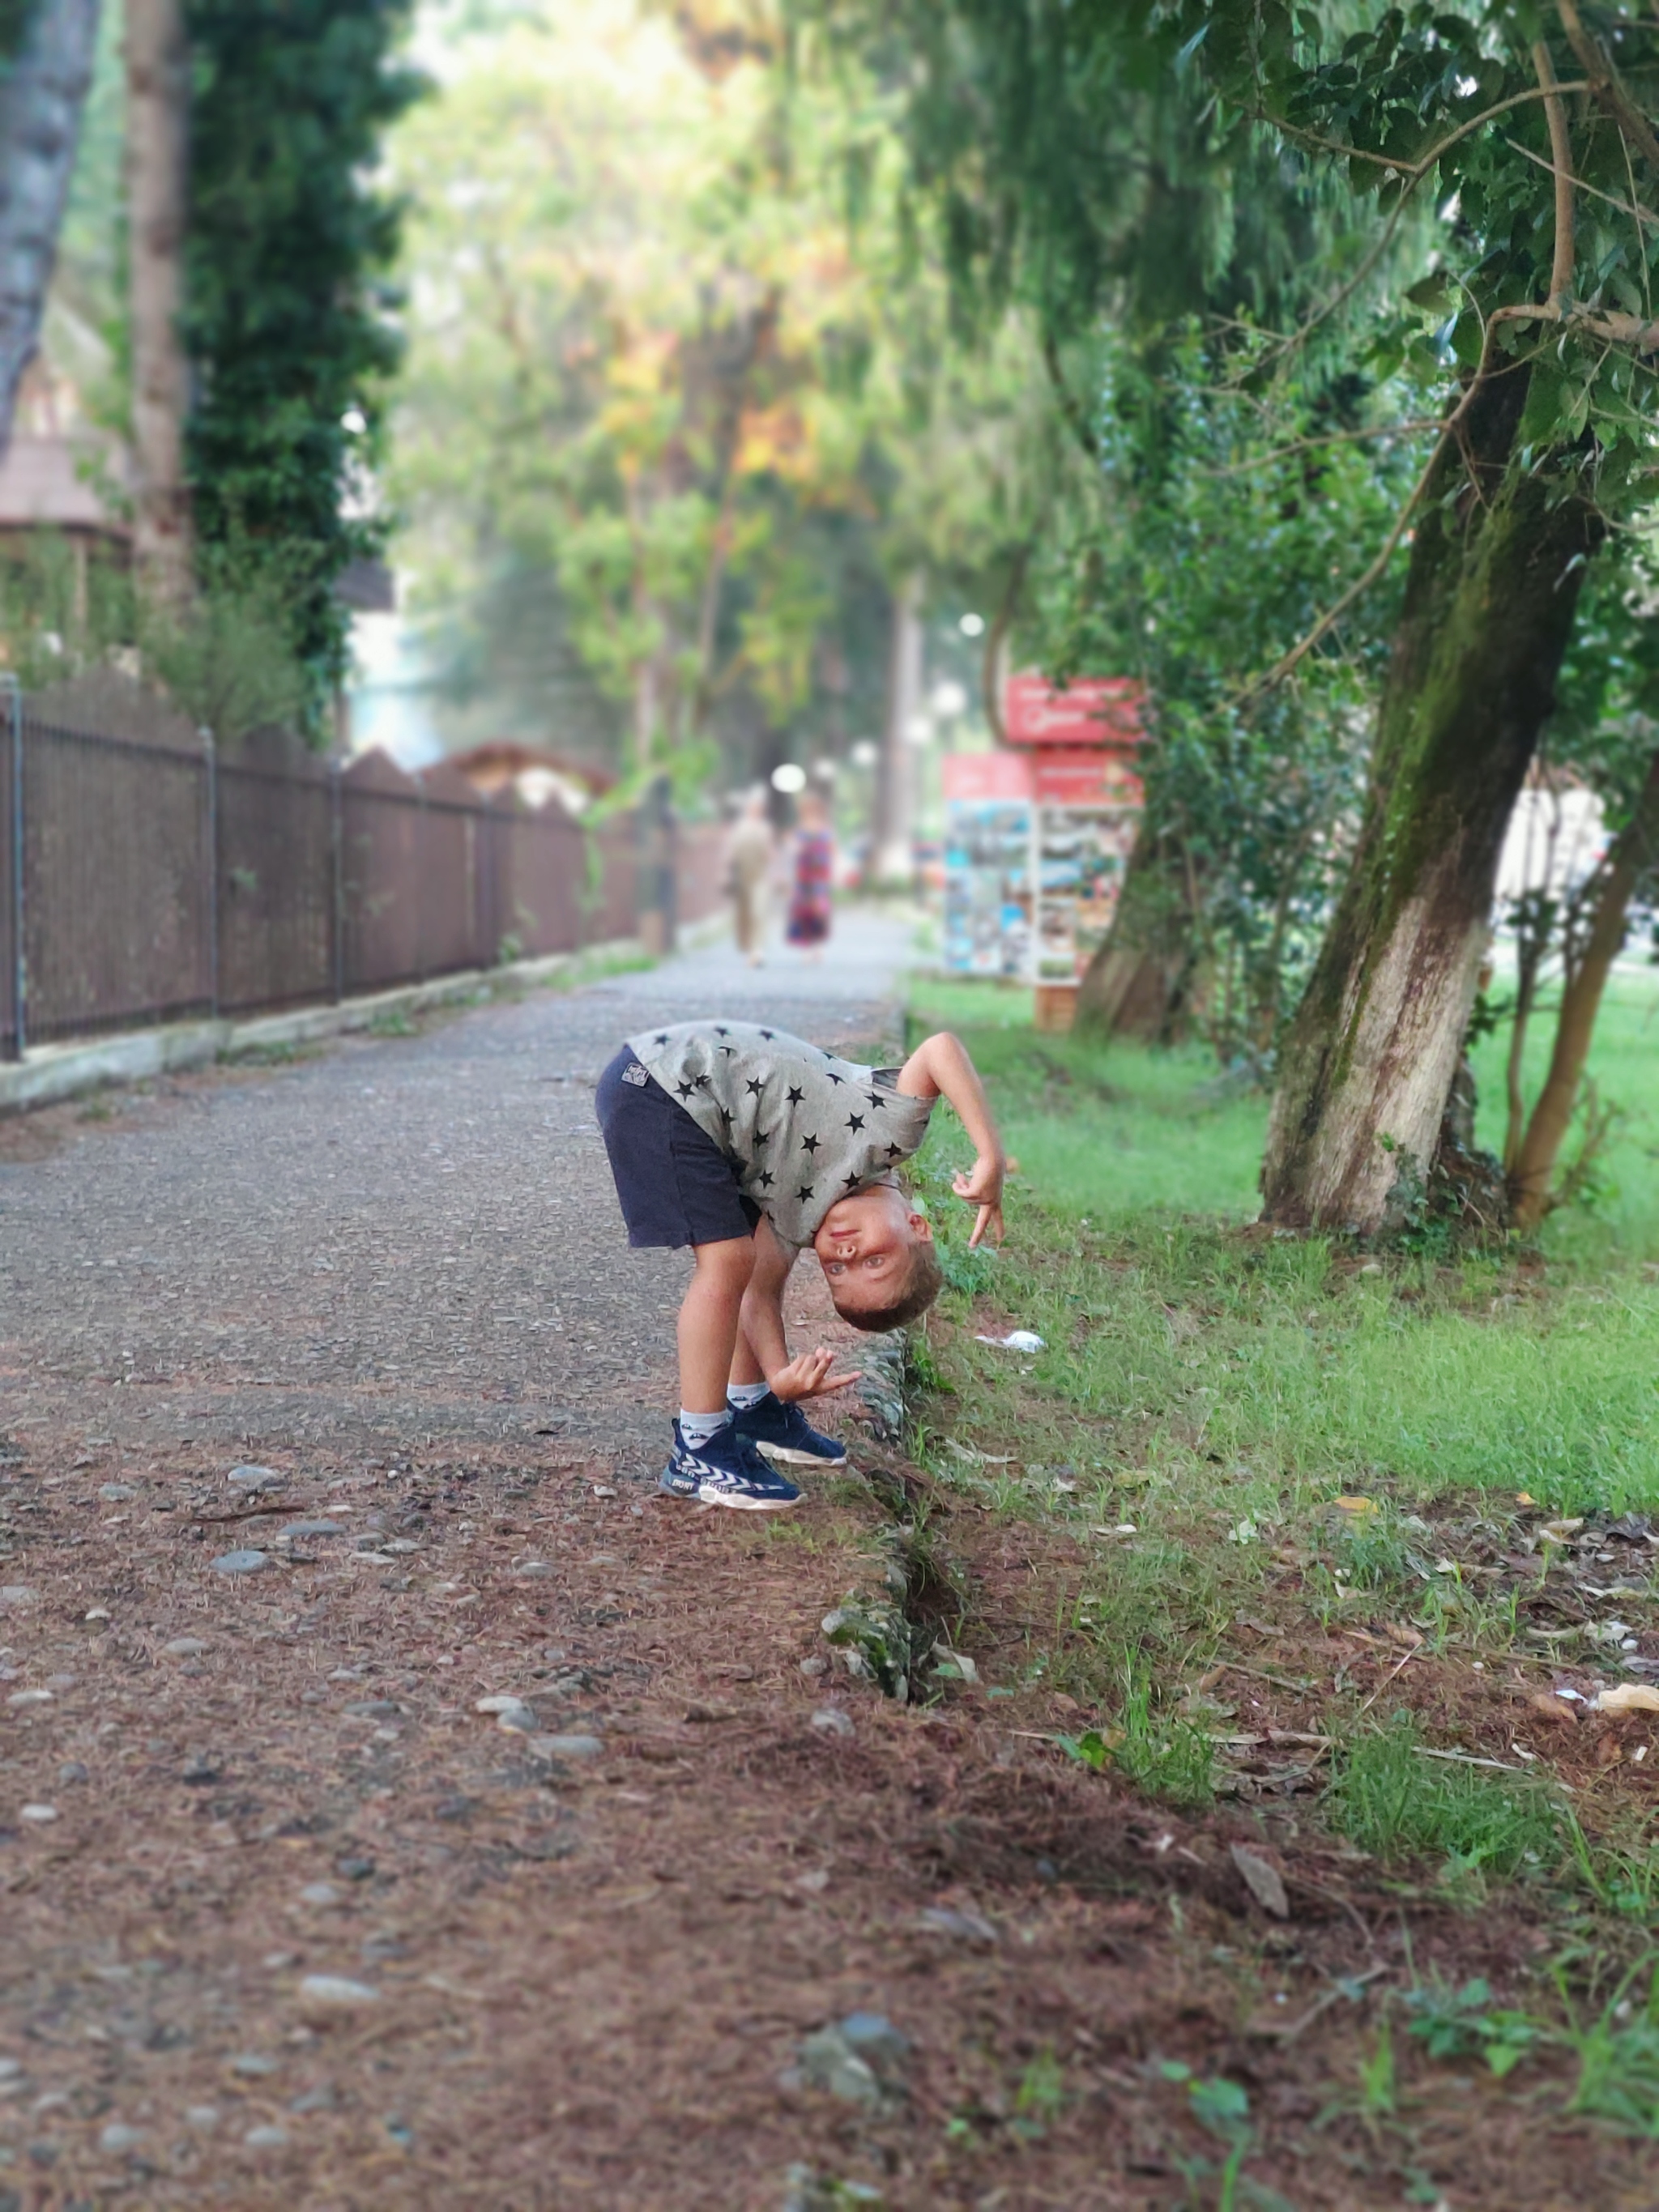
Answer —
709 1313
760 1345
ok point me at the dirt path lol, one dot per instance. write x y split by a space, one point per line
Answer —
288 1921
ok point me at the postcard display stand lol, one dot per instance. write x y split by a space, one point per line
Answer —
1037 838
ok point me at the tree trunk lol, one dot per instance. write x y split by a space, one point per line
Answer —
1631 854
894 858
157 138
41 104
1135 985
1490 597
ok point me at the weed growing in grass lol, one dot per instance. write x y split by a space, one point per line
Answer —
1394 1802
392 1022
1617 2056
1461 2023
1377 2075
1041 2096
1166 1756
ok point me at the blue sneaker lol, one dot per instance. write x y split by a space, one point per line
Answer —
727 1471
783 1431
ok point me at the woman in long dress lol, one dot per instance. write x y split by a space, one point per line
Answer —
748 872
810 908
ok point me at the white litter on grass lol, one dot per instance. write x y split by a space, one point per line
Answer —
41 1812
1017 1339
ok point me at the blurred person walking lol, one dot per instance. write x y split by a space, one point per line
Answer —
749 856
810 909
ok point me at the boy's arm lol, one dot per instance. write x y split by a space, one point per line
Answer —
808 1374
939 1067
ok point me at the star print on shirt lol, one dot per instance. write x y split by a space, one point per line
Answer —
810 1144
833 1077
755 1086
760 1136
880 1104
662 1039
726 1115
702 1083
768 1180
768 1034
855 1120
685 1089
805 1191
795 1097
896 1151
729 1051
851 1182
718 1031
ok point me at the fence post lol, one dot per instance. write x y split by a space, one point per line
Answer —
336 875
20 962
419 886
212 799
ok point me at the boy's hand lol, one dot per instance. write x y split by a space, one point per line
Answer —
982 1186
807 1375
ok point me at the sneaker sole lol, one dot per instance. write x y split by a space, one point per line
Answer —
747 1505
791 1457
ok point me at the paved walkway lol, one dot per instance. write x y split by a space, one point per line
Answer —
403 1241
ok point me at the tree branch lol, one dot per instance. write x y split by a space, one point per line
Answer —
1605 88
1081 428
1414 172
1555 113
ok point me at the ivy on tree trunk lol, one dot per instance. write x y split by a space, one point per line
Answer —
1368 1065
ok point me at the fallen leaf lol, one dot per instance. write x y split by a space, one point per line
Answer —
1559 1531
1357 1506
1609 1752
1549 1707
1522 1498
1263 1880
1628 1698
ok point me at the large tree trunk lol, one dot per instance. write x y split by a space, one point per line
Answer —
893 860
41 97
157 141
1631 855
1369 1063
1138 982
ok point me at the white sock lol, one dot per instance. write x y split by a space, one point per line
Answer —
698 1429
742 1395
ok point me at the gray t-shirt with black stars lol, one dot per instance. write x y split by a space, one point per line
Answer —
802 1127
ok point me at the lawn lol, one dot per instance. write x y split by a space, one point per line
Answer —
1316 1369
1353 1541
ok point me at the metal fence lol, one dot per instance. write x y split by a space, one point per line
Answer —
144 877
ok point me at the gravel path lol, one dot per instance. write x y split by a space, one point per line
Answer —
403 1240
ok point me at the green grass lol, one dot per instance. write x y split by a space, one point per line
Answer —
1396 1802
1302 1371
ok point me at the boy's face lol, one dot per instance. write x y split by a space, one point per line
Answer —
865 1243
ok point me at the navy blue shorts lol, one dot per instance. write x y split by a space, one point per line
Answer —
676 1185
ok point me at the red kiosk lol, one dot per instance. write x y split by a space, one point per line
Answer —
1037 837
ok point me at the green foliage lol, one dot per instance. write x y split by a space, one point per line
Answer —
1394 1801
226 658
1163 1755
1252 797
230 657
1462 2023
288 313
1617 2056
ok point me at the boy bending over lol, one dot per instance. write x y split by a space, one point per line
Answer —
748 1146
